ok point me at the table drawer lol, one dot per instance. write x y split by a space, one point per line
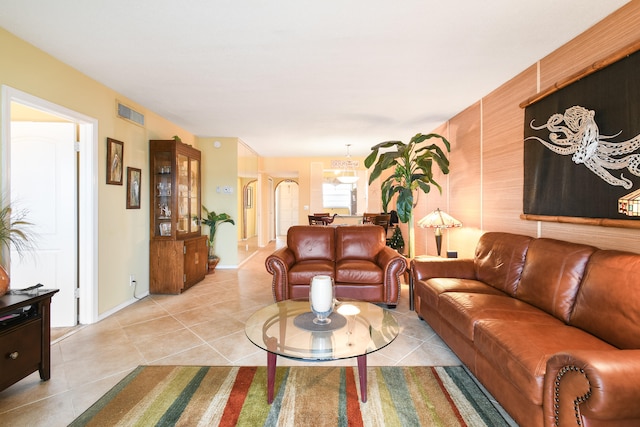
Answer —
21 351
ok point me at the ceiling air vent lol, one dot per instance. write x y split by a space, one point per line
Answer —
129 114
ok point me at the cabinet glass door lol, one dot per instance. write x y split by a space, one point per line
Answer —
183 194
162 174
194 194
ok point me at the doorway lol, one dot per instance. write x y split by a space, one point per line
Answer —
83 202
248 243
286 206
50 205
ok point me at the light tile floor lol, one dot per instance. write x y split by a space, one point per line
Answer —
203 326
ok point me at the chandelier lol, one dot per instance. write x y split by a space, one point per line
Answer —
348 175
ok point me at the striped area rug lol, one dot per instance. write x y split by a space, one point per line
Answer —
318 396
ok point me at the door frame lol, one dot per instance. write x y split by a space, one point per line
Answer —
87 190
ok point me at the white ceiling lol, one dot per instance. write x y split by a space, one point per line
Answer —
299 77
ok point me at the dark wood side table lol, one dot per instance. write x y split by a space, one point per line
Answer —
25 335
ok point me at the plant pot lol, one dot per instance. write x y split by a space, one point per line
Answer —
211 264
4 281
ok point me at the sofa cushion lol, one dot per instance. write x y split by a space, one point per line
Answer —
607 304
432 288
464 310
358 271
361 291
359 242
552 274
499 259
520 350
312 243
302 272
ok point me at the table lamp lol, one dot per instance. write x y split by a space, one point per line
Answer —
439 220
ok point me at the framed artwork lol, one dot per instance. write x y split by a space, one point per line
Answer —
115 153
582 149
134 175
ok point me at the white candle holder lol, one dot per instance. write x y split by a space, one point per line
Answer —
321 297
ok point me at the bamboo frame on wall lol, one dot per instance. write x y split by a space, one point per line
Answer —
601 222
596 66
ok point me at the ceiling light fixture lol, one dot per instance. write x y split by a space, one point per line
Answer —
348 174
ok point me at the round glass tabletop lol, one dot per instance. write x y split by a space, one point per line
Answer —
357 328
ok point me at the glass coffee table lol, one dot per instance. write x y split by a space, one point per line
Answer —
286 329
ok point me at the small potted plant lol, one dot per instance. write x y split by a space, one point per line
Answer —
213 221
14 231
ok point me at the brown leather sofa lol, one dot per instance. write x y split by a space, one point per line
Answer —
550 328
357 258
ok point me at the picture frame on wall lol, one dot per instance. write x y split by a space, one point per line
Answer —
115 157
134 177
581 146
248 197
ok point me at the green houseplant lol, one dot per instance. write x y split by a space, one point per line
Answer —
14 231
411 168
213 221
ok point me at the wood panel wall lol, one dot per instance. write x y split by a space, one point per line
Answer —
484 189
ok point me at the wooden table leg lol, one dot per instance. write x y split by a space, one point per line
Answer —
411 296
271 375
362 373
44 367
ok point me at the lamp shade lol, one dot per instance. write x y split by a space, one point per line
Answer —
630 204
439 219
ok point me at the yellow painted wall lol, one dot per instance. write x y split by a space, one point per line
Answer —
219 172
123 235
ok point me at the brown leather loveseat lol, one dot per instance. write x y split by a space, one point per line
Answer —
550 328
357 258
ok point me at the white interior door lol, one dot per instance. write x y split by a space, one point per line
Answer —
287 206
43 181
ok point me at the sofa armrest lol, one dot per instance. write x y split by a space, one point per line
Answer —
387 256
394 265
592 385
278 264
443 267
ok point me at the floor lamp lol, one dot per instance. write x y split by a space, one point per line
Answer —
439 220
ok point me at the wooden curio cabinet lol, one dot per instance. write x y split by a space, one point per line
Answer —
178 250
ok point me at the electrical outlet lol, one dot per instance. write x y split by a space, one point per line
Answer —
132 280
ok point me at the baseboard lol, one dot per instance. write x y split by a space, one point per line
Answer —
121 306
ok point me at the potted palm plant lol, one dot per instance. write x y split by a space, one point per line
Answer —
412 172
14 231
213 221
